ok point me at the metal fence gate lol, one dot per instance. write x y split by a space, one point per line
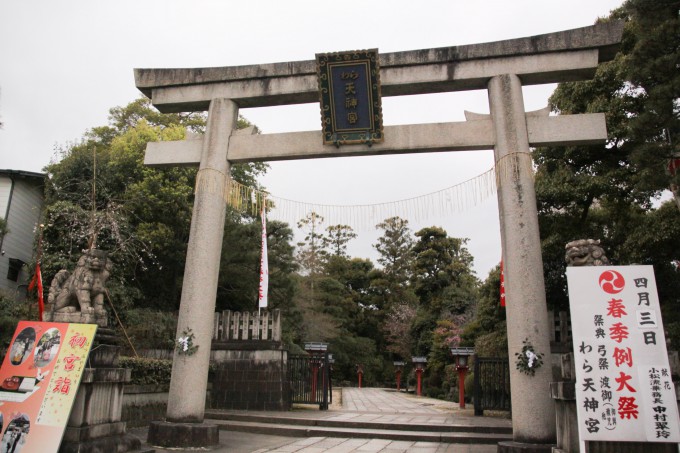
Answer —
310 380
491 384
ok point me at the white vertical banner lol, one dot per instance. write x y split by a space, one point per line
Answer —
624 390
264 264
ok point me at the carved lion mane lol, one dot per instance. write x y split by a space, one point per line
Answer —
83 290
585 252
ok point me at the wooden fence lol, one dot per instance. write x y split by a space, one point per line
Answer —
235 325
561 327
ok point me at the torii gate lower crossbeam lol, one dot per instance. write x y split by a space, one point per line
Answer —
503 66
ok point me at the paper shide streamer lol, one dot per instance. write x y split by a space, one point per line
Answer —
457 198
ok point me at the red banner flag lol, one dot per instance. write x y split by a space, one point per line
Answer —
673 165
502 286
37 281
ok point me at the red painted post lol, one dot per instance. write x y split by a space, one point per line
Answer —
360 373
419 363
398 368
460 357
316 353
315 374
461 386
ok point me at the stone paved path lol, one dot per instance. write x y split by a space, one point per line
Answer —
360 405
388 406
379 405
391 402
340 445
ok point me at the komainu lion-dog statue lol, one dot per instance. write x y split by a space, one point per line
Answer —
585 252
82 292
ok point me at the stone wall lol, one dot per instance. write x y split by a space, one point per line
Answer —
144 403
250 375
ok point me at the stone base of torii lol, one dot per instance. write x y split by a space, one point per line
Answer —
501 67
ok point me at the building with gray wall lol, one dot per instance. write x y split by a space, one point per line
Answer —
21 204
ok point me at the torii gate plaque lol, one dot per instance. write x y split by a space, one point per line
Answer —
500 67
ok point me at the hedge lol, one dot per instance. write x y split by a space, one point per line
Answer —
148 371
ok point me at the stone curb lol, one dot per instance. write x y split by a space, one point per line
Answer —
358 433
330 423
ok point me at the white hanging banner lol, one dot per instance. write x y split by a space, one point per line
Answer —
624 390
264 265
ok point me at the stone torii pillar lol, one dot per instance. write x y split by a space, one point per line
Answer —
186 405
500 67
533 411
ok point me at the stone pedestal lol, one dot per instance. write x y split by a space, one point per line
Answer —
564 394
183 435
78 317
520 447
72 316
95 424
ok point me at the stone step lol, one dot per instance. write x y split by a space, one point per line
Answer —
279 429
331 423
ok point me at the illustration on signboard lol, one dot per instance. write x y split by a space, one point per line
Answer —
16 434
47 349
22 346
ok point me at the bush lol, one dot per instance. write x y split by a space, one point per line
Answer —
150 329
494 344
11 312
153 371
148 371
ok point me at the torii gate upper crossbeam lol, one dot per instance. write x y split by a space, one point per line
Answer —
550 58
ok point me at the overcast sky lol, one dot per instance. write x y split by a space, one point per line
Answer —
65 63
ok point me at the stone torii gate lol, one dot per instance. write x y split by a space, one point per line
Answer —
501 67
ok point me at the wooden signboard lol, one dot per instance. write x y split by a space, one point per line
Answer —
624 390
39 381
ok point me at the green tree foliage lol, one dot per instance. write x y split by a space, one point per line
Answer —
446 288
487 330
238 284
392 285
311 254
11 312
149 329
655 241
350 351
339 301
442 267
337 238
347 319
397 327
141 216
395 249
607 191
652 61
417 304
140 229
